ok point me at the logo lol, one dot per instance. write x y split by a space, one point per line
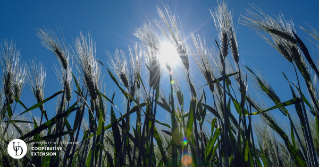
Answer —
17 148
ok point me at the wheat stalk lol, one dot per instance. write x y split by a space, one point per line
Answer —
168 26
147 34
87 64
119 65
51 41
65 77
14 71
37 83
203 58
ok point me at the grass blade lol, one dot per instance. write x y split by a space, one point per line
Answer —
211 143
286 103
40 103
160 146
50 136
116 135
298 159
211 109
189 128
134 109
219 79
164 106
49 123
305 51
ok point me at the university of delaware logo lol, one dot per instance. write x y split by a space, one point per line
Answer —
17 148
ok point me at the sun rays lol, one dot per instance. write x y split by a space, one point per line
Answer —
168 55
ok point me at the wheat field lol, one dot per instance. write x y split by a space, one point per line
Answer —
217 123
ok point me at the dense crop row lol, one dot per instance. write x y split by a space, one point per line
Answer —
231 140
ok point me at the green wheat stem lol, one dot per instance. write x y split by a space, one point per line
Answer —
126 131
202 142
141 147
58 125
78 131
60 111
226 129
101 136
101 149
252 135
137 136
84 150
294 128
308 131
196 138
241 115
174 155
94 137
152 126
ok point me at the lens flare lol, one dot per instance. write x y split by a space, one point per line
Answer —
177 137
186 158
185 140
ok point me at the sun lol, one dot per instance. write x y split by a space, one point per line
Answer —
168 54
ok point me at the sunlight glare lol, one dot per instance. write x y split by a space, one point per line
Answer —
186 157
168 54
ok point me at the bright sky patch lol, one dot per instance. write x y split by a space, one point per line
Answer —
168 54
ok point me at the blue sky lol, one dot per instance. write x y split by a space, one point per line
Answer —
112 23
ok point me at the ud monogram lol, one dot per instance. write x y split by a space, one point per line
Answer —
17 148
